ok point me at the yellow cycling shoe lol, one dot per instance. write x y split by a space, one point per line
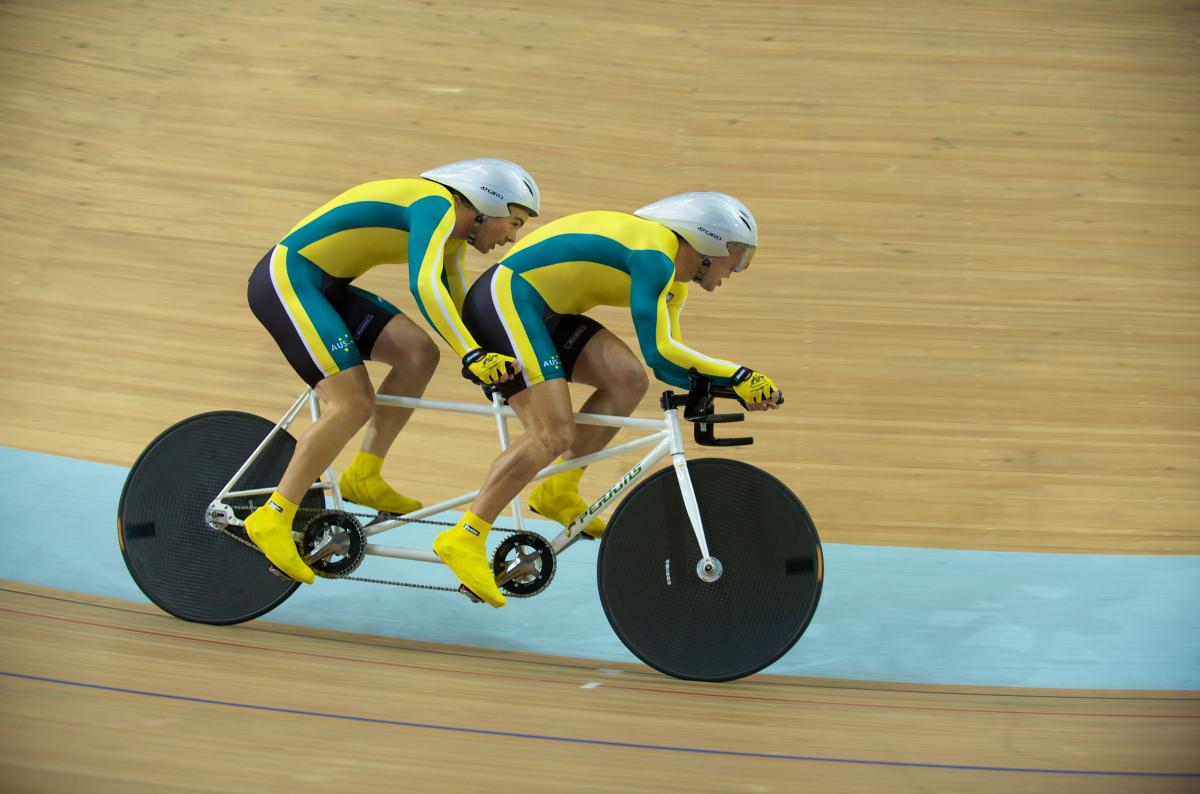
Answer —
363 484
557 498
462 549
274 537
377 495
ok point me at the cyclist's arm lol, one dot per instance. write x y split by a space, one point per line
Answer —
431 221
455 275
678 296
651 280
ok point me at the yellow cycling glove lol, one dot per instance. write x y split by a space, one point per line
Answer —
752 387
486 369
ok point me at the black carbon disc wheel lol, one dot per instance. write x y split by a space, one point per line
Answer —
752 614
183 565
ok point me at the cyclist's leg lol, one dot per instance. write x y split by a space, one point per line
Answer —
505 315
385 335
607 364
591 355
412 356
286 292
545 411
347 400
348 397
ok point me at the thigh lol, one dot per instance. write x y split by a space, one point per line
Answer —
505 315
602 356
369 317
572 335
399 343
286 294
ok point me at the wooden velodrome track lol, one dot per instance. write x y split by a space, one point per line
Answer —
977 285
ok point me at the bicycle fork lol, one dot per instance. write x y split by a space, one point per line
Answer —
709 568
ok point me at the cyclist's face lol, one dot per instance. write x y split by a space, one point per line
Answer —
500 231
722 267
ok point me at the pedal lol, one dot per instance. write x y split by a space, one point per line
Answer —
462 588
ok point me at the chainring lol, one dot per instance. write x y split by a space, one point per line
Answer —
528 560
338 537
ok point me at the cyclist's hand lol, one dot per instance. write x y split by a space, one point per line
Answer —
755 391
488 369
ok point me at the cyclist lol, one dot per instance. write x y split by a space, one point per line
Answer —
302 292
530 306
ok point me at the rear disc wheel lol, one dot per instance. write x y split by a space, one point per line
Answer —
182 564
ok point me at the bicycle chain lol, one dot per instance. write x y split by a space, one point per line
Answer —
316 510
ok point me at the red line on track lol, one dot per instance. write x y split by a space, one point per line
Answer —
604 685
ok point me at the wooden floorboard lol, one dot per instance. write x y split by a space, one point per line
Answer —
105 695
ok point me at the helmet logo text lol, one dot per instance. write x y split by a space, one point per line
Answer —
713 235
487 189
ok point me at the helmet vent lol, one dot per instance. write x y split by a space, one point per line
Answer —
742 218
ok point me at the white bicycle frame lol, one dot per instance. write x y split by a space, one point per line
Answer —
664 436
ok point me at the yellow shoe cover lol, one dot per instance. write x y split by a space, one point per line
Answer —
373 492
464 553
275 539
558 499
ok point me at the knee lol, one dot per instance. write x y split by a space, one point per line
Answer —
425 357
556 439
354 409
630 381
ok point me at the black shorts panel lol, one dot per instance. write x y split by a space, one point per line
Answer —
569 333
347 319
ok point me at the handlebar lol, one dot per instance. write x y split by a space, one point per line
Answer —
698 409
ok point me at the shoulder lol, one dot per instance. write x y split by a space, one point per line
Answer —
598 222
630 232
405 192
578 227
633 232
651 236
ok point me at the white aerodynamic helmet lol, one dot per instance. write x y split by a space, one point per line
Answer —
715 224
490 184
